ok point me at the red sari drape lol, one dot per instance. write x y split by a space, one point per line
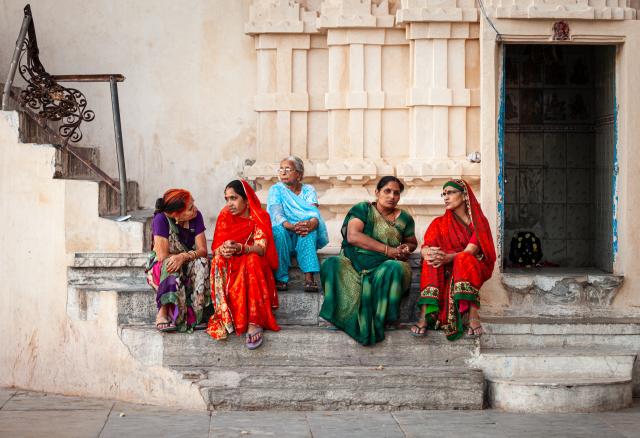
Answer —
449 290
243 288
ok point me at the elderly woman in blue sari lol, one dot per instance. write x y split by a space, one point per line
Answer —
298 228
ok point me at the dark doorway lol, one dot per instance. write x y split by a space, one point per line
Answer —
559 146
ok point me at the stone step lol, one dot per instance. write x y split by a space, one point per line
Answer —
561 332
124 273
342 388
556 363
294 346
109 199
555 395
67 166
137 305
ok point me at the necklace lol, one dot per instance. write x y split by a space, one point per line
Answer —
389 217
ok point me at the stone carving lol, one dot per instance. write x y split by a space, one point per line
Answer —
561 31
563 9
561 294
437 10
282 16
355 13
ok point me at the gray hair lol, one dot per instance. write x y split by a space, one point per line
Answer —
297 163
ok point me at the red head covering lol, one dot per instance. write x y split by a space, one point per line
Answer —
238 228
480 224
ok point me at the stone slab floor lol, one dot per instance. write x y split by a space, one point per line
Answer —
33 414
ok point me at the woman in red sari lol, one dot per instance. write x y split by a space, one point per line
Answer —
458 257
244 257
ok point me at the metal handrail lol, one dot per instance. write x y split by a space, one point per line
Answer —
56 103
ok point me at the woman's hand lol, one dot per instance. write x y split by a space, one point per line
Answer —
436 257
403 252
303 228
230 248
175 262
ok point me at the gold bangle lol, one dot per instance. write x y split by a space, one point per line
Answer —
386 248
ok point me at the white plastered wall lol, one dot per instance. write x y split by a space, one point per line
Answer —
45 221
187 101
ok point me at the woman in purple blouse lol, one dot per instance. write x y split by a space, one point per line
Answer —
178 266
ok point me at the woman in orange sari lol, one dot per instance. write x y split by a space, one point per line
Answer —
243 288
458 257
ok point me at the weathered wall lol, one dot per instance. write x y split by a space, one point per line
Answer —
187 102
42 348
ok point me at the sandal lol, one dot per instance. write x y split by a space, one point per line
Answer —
201 326
282 286
475 331
254 340
310 286
166 326
417 330
392 326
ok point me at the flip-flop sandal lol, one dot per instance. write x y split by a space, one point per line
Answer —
417 331
255 344
282 286
310 286
166 326
201 326
475 331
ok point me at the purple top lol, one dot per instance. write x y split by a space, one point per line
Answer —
160 227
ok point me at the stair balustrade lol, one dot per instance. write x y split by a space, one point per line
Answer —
45 100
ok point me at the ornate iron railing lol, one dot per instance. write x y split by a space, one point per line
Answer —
44 99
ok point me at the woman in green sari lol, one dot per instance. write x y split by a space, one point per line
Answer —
363 285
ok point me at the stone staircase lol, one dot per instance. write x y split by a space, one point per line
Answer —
526 364
304 366
560 364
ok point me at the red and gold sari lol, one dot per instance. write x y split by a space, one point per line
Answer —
243 289
450 290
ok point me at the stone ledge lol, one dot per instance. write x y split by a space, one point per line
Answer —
556 291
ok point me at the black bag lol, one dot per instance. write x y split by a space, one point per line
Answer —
526 249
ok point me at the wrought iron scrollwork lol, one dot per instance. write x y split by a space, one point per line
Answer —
43 94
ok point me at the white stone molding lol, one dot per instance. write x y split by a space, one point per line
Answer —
563 9
412 11
281 16
444 101
355 14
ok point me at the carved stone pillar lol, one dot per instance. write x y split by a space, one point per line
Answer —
443 99
285 32
356 33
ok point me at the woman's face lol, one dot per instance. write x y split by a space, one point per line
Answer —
288 173
235 203
188 214
453 198
389 195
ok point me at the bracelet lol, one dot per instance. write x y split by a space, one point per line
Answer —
246 249
241 249
385 250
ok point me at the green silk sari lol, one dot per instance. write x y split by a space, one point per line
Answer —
363 288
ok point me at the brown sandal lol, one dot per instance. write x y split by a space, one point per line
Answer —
310 286
166 326
475 331
281 286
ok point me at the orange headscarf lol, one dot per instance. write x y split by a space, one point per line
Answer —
174 201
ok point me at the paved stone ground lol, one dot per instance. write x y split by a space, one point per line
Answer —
32 414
